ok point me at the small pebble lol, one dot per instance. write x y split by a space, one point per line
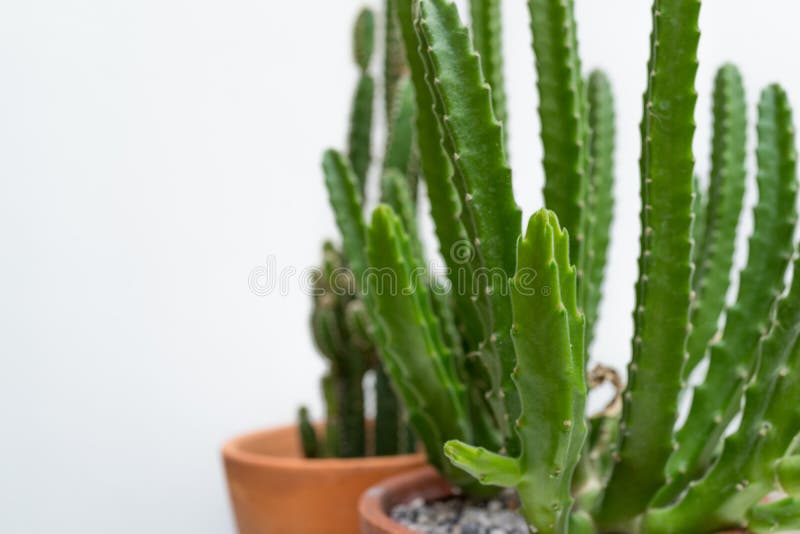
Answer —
457 515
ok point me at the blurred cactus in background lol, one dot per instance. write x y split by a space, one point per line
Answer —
339 321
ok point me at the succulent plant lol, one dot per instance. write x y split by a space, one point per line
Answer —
490 361
339 322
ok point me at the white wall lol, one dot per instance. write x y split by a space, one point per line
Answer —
152 154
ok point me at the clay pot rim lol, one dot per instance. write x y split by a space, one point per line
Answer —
235 450
375 503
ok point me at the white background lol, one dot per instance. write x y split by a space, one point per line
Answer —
152 154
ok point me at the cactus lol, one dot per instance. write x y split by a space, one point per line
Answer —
486 27
341 326
717 400
308 436
661 318
600 201
489 358
715 246
360 142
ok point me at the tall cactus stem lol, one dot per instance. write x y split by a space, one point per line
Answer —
601 200
475 140
723 208
717 400
562 111
661 317
486 25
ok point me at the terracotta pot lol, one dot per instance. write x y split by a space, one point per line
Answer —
378 500
274 490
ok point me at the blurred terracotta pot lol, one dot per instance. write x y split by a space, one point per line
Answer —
274 490
377 502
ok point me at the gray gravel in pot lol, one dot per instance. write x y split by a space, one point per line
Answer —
457 515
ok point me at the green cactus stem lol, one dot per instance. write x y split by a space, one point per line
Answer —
457 244
446 207
416 358
777 516
562 111
486 25
745 470
732 360
331 416
360 140
661 318
548 336
308 436
346 200
400 144
364 38
481 173
723 208
348 362
788 472
601 195
394 65
387 416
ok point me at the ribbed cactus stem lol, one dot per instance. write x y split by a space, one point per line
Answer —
475 142
600 200
699 211
446 206
352 432
394 65
661 317
387 416
548 335
331 416
562 111
744 472
308 436
732 360
360 138
778 516
486 25
400 144
416 358
723 207
788 472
